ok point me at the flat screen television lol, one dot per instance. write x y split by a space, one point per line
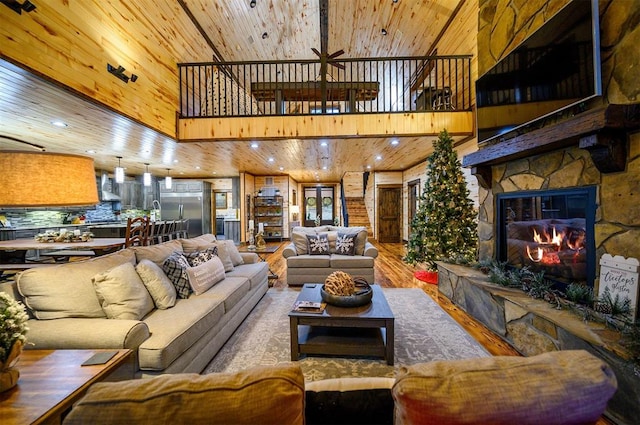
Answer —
556 67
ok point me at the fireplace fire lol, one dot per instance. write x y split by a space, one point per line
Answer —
550 232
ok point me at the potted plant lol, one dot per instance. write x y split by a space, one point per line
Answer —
13 330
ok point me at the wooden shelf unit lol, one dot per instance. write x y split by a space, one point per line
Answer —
268 210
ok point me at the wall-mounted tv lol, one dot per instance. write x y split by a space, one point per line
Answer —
558 66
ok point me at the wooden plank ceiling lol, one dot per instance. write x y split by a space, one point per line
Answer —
234 31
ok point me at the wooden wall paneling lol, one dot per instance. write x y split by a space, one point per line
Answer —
457 123
72 43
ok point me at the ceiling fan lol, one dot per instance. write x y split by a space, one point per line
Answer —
324 40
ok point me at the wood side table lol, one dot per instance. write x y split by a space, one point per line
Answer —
50 382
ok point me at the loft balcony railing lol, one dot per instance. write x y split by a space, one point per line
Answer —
306 87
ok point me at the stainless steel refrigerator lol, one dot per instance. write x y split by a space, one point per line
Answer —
188 199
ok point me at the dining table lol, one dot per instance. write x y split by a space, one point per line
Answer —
99 245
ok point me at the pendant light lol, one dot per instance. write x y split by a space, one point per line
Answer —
167 180
119 172
146 178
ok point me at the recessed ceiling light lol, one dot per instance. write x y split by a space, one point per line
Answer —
175 161
323 144
368 167
197 167
395 143
281 168
90 151
59 123
254 145
324 168
384 31
271 160
378 158
215 172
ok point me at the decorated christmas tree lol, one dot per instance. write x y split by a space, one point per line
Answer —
445 225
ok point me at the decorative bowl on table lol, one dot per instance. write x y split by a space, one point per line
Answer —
341 290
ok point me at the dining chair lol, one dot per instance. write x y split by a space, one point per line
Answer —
137 233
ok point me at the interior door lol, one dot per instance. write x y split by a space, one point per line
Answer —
319 201
390 214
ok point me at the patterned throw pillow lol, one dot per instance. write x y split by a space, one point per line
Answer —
346 243
200 257
175 267
318 244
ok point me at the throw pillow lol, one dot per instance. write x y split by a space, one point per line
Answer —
205 275
221 252
200 257
569 386
346 243
122 293
175 267
318 244
158 284
236 258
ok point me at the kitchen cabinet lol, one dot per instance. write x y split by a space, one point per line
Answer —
267 211
135 195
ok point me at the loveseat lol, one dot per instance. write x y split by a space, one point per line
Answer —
561 387
174 304
316 252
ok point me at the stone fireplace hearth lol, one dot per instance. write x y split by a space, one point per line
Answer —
594 145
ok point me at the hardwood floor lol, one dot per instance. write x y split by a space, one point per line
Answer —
392 272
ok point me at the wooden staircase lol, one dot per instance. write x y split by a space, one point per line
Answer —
358 216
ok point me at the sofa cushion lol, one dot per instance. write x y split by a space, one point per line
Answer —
193 244
122 293
157 253
158 284
176 329
264 395
236 258
346 243
255 272
351 262
306 260
231 291
67 290
175 267
205 275
552 388
318 244
299 240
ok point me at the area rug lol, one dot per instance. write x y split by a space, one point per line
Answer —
423 332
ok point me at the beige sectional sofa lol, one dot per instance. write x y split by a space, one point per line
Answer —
308 261
562 387
73 305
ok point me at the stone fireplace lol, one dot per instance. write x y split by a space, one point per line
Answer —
528 182
549 231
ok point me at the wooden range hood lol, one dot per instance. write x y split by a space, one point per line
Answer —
603 131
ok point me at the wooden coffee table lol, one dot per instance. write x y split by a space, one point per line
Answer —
359 331
50 382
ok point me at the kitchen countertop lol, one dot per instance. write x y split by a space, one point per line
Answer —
57 226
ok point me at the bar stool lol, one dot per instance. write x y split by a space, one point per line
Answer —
137 232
